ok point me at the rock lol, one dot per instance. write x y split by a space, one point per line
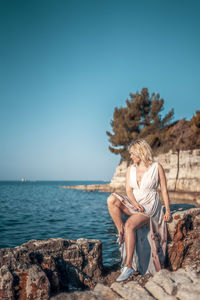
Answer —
164 285
162 278
131 290
188 291
32 283
38 269
184 236
6 283
188 171
86 295
182 285
182 169
101 292
157 291
104 292
91 187
178 216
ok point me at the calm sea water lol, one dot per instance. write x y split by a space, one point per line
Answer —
41 209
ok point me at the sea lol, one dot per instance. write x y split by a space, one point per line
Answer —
37 210
42 209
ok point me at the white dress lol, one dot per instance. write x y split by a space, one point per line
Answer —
151 239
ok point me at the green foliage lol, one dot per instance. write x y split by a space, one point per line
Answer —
140 118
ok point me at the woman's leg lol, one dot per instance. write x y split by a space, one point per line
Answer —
115 208
134 222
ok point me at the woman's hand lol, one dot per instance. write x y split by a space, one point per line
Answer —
139 207
167 216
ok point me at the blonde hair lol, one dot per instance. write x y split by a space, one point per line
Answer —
143 151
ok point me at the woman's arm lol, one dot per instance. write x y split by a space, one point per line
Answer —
163 186
129 192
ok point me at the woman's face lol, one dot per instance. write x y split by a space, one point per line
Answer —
135 158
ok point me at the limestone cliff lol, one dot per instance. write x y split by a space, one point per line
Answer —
182 169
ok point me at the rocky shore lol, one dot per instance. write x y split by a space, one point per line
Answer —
67 269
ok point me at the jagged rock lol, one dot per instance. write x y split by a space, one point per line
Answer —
37 269
32 283
184 233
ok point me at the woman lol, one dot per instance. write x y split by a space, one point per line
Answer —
143 239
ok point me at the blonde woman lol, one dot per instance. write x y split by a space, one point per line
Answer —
143 238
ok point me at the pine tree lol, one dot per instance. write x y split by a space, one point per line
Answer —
140 118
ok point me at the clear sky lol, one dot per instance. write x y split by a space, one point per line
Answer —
65 66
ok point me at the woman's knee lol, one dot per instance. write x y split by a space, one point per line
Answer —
112 199
129 226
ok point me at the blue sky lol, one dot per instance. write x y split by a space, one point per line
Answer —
65 66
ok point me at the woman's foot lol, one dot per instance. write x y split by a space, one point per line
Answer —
126 273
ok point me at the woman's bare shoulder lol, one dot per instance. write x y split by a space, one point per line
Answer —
160 165
128 169
161 170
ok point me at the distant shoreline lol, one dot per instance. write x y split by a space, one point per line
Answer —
186 197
